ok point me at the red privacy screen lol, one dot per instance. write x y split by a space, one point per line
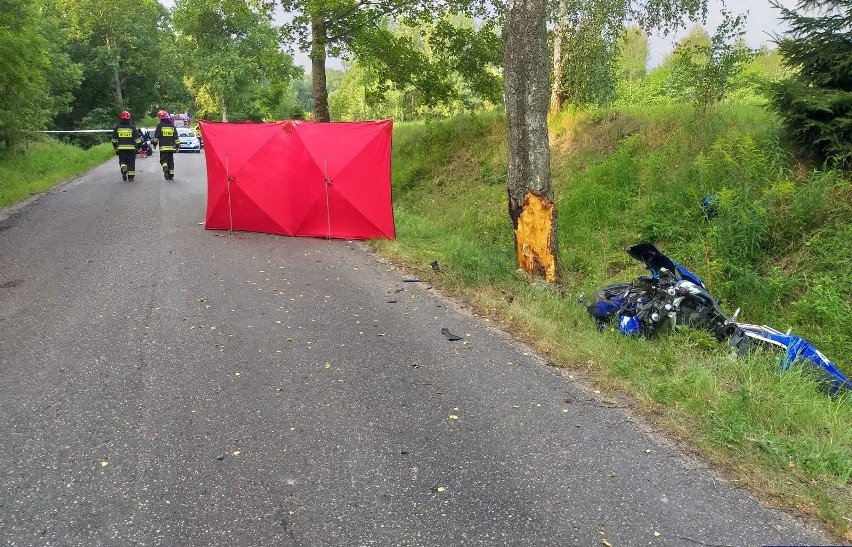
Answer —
300 178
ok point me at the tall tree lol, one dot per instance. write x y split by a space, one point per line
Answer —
23 64
632 59
115 47
705 66
526 74
816 103
557 96
229 51
530 189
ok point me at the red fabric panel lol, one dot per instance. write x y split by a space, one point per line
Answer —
354 156
300 178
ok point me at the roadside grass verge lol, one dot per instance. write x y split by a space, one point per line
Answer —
779 247
43 165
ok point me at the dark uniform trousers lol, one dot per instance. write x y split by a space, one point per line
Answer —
126 139
167 160
127 160
166 136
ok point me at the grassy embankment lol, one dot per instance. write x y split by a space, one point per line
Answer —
780 248
44 164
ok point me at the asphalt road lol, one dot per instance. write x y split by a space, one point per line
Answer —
165 385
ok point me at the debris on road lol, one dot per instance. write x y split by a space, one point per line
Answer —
450 336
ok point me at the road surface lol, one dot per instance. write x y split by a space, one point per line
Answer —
167 385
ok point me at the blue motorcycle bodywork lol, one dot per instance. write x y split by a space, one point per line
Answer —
623 309
796 348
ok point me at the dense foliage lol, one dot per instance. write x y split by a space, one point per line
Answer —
230 55
445 67
816 101
37 76
586 42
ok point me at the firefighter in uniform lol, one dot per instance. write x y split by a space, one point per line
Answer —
165 137
125 140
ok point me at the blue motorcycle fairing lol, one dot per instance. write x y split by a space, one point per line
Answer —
797 348
629 325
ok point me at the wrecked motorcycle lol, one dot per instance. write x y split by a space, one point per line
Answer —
672 295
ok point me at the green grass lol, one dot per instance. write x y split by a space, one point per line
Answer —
780 248
43 165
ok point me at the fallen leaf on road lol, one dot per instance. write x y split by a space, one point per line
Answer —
104 463
441 489
236 452
605 542
453 417
656 534
328 365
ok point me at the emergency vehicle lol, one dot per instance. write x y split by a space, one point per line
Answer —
181 120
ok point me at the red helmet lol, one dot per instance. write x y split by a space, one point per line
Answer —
125 115
162 114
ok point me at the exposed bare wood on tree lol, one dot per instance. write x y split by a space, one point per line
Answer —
318 56
530 189
223 106
535 246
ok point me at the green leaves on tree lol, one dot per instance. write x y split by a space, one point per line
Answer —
816 102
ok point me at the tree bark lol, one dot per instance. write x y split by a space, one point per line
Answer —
527 78
119 97
318 55
556 95
223 106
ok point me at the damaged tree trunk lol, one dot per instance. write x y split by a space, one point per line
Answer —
527 79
